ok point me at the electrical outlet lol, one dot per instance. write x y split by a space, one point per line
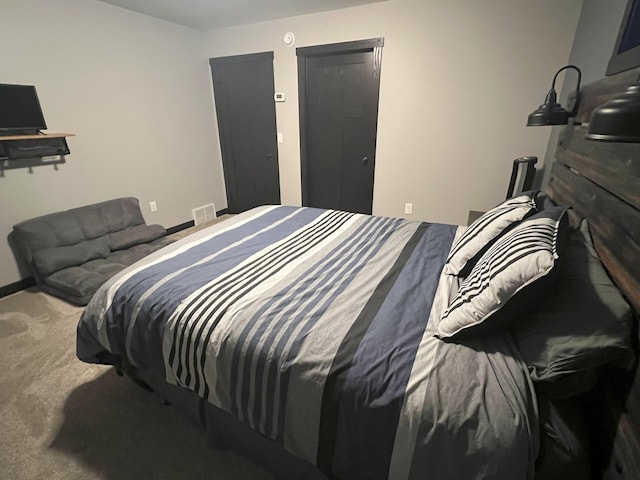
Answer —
153 206
408 208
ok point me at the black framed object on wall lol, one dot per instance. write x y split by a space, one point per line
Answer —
626 53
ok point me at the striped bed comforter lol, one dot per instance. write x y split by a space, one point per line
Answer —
315 328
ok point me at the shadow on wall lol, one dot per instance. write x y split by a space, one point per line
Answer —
121 432
23 266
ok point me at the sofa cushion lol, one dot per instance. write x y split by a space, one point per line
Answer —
123 214
79 283
126 257
77 225
49 260
136 252
135 235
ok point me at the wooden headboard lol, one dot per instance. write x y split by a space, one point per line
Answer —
601 181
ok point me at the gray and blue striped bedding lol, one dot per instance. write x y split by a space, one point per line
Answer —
316 329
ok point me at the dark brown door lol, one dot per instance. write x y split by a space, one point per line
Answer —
339 87
243 89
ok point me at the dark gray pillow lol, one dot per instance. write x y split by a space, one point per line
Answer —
135 235
543 202
583 326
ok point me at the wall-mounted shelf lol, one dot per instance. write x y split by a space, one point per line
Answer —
36 136
20 151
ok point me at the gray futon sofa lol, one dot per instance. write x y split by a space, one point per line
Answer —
72 253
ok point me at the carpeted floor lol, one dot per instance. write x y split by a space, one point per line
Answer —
61 418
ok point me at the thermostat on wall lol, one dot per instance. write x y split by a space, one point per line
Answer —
279 97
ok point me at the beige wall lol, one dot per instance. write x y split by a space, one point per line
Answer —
458 81
137 93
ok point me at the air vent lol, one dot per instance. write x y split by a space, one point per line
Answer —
204 214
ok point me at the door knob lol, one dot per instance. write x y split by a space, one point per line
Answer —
268 155
365 160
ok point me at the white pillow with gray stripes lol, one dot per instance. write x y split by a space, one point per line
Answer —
486 229
523 255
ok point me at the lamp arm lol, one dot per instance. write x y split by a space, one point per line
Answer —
553 84
576 99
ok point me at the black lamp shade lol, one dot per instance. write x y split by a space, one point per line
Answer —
549 113
617 120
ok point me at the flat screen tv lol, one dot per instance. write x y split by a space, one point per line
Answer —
20 110
626 53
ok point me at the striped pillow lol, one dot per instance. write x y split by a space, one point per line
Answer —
486 229
526 253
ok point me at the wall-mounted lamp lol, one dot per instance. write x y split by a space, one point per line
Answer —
617 120
551 112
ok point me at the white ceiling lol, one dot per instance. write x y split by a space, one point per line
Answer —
213 14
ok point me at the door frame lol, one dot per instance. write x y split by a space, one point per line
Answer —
228 168
303 53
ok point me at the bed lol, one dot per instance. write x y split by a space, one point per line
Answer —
327 344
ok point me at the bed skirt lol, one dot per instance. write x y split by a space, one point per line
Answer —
224 431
